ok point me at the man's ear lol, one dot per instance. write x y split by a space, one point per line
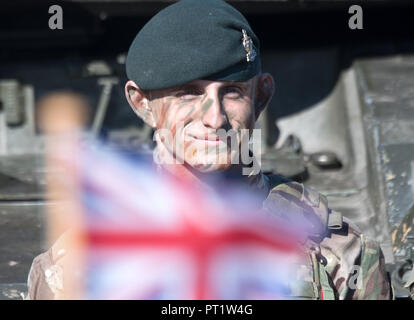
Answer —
139 103
265 88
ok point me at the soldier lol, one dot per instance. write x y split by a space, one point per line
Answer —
195 69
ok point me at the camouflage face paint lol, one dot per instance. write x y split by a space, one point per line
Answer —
190 112
206 105
186 112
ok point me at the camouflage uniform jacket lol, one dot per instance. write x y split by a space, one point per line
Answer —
342 263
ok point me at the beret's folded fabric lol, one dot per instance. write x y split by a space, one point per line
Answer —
191 40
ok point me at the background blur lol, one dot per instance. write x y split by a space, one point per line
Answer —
341 121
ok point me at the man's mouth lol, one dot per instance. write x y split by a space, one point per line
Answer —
209 139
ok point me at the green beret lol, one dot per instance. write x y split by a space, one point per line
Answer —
193 39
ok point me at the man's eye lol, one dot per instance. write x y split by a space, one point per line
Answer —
188 94
232 92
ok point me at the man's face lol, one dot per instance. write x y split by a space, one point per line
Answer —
202 122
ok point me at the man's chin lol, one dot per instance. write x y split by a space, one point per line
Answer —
212 163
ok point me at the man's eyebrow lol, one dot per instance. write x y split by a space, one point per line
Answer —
185 86
243 85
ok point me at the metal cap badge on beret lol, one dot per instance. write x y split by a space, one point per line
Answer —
193 39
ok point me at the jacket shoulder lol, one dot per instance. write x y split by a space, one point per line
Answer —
38 288
296 202
45 279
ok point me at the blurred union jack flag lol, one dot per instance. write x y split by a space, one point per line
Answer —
151 235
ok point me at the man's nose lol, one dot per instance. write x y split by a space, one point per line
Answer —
213 115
